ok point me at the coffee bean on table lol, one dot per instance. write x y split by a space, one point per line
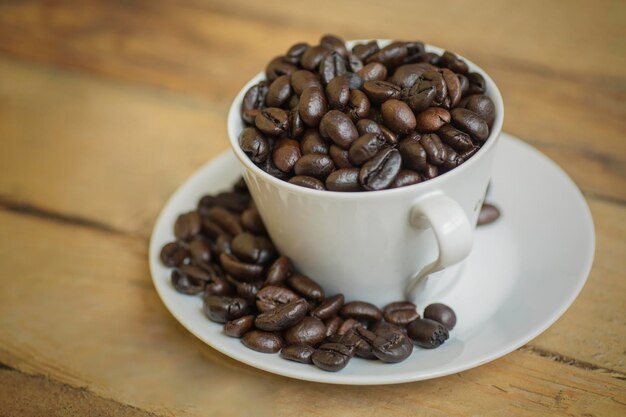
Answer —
331 357
400 313
329 308
309 331
270 297
488 214
306 287
307 182
432 119
254 144
379 172
298 353
282 317
441 313
312 106
185 284
471 123
398 116
173 254
265 342
427 333
187 225
314 165
360 310
239 327
278 271
221 309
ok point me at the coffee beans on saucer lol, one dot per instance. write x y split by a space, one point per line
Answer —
363 119
223 253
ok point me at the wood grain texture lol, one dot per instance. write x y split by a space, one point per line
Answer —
106 107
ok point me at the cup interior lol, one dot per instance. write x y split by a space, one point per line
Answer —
235 125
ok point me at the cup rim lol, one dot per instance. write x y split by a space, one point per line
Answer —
234 120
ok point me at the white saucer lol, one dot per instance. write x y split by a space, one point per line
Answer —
524 272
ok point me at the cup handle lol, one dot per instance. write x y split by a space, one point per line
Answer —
452 230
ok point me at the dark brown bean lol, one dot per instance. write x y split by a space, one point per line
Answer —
254 99
296 124
471 123
277 67
239 327
339 128
332 65
432 119
233 201
309 331
360 310
278 271
365 50
254 144
307 182
187 225
477 83
240 270
398 116
302 79
430 171
314 165
391 55
406 177
358 105
380 91
279 92
453 87
379 172
458 140
286 153
313 56
344 180
186 284
339 157
306 287
270 297
427 333
252 222
253 249
364 126
365 148
453 62
173 254
482 106
312 142
435 150
296 51
413 154
332 325
390 138
264 342
196 272
347 325
221 309
298 353
312 106
282 317
225 219
329 308
406 76
334 43
331 357
442 314
488 214
400 313
374 71
219 286
338 93
272 121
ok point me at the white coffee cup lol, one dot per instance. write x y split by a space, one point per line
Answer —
376 246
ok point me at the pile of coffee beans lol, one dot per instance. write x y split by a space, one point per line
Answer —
223 253
370 118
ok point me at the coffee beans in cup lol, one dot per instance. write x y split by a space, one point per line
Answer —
366 118
223 254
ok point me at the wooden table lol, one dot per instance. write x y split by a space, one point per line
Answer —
106 107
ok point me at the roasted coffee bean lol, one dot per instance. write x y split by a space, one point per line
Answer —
277 67
296 51
286 153
272 121
374 71
390 138
347 325
339 128
452 159
307 182
407 75
248 290
400 313
225 219
360 310
254 144
430 58
354 63
332 325
470 122
432 119
357 344
251 248
430 171
376 115
355 82
453 62
365 50
306 287
365 148
249 116
467 154
293 103
344 179
427 333
297 353
278 271
424 91
312 142
300 80
335 43
435 150
254 99
464 82
358 105
482 106
391 55
379 172
233 201
196 272
296 124
331 357
309 331
364 126
477 83
329 308
338 93
406 177
413 153
185 284
314 165
380 91
312 106
333 65
239 327
381 327
264 342
415 50
388 346
313 56
270 297
339 157
173 254
453 88
398 116
282 317
488 214
442 314
279 92
458 140
240 270
252 222
221 309
187 225
219 286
